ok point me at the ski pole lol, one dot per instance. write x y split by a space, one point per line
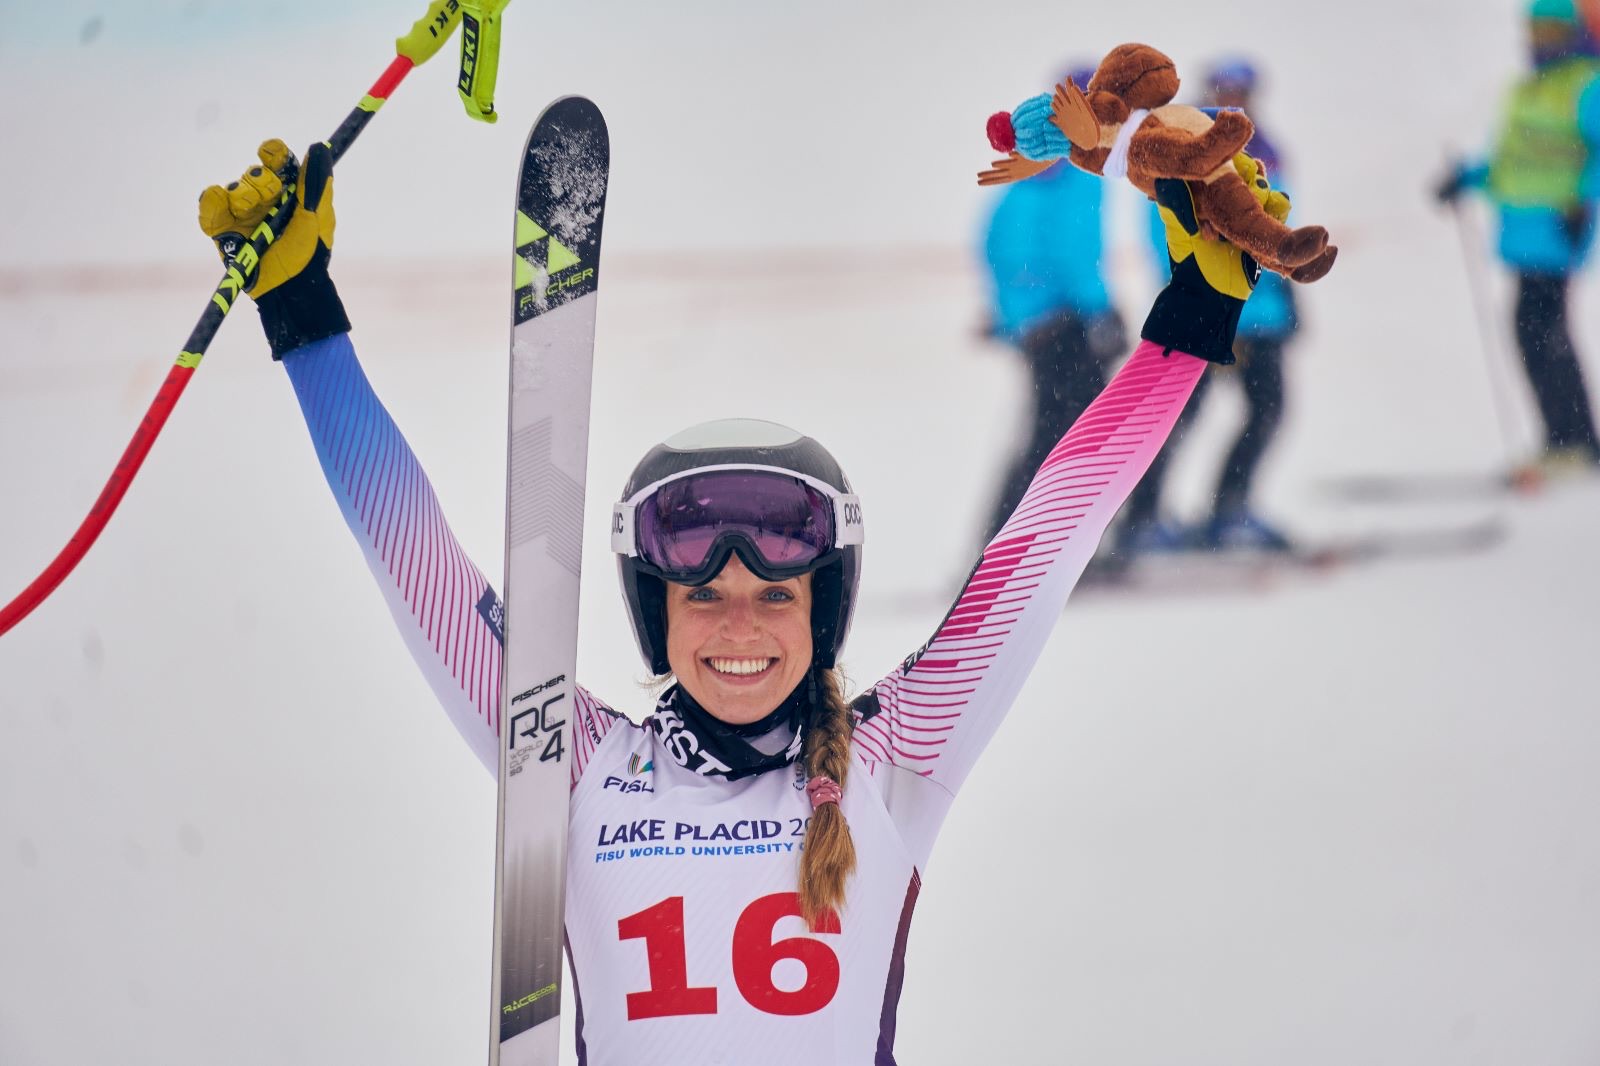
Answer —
1493 354
414 49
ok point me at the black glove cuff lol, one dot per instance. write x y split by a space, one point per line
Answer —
303 309
1192 317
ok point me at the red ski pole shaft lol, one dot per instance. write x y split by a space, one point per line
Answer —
416 47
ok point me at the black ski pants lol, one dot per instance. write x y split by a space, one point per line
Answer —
1554 373
1067 376
1260 372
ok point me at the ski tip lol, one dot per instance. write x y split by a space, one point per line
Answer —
1526 480
561 197
572 110
1324 557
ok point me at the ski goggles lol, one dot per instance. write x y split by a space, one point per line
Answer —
782 524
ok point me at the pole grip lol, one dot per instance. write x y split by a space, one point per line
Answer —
480 56
429 32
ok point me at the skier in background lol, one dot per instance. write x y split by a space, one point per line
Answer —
1043 246
1544 177
1266 326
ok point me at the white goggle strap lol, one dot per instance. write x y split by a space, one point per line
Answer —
847 526
622 539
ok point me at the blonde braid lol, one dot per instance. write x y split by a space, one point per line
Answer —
828 855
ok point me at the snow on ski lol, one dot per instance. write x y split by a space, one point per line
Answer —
561 196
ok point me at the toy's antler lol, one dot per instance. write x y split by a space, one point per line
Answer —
1014 167
1072 115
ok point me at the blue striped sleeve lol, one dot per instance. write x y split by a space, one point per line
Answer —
444 607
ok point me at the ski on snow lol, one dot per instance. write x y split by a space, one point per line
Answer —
1432 487
561 195
1200 572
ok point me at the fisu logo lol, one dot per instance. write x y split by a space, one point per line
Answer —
637 766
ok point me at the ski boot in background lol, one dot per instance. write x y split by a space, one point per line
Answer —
1154 536
1237 528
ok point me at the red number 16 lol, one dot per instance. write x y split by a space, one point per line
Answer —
754 955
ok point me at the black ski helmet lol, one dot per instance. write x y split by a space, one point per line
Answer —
729 444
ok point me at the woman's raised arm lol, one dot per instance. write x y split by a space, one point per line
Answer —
442 604
935 713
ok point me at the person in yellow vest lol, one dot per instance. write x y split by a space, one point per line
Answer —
1544 177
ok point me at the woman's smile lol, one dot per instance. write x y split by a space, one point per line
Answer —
740 670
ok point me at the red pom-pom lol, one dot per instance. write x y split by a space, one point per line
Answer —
1002 138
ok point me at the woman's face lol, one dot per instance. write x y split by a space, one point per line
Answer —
740 644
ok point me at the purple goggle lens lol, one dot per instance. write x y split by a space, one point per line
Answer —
788 523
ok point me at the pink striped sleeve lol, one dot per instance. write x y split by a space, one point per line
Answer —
594 721
934 715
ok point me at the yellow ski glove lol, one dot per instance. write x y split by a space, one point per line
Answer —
1198 311
293 293
1224 266
1254 173
240 207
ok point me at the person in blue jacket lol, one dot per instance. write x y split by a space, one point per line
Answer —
1266 326
1044 246
1544 177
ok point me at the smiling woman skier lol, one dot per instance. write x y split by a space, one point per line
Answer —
744 863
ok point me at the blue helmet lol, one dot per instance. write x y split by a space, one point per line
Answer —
1079 74
1234 72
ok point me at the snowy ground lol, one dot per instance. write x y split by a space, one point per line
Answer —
1345 820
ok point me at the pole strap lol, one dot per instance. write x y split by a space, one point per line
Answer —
480 56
